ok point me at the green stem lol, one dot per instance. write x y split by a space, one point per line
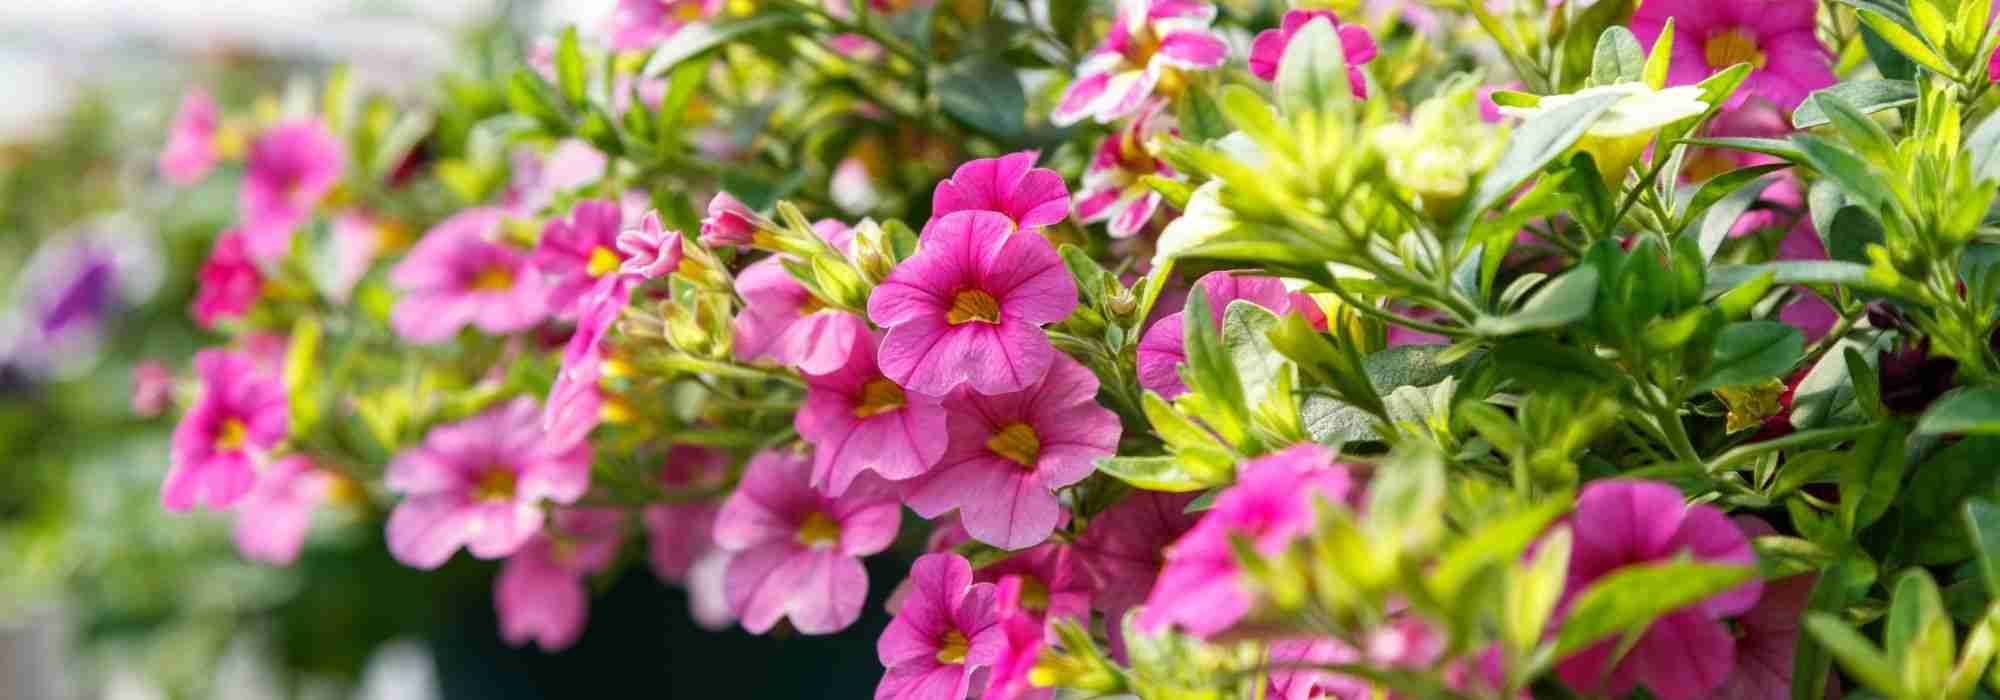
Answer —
1389 317
746 372
1745 453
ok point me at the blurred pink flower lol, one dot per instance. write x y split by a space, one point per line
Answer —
228 282
239 416
481 483
797 553
540 594
271 521
576 402
681 534
1125 546
1268 50
152 388
190 151
458 276
1146 40
288 170
944 636
636 25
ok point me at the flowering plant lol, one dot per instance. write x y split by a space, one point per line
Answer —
1668 365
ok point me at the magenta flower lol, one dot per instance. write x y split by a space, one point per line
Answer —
728 223
289 168
650 251
1160 352
859 421
969 306
637 25
1113 188
228 282
1149 39
1271 505
783 321
797 552
1689 652
190 151
540 594
1031 197
1288 681
1053 583
1125 546
1024 634
1768 634
458 276
480 483
1006 454
576 251
575 405
152 388
1268 49
239 416
271 520
1775 37
946 633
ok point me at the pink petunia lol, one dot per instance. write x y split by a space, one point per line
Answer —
228 282
1031 197
1025 635
288 170
271 521
1289 681
540 594
946 633
1776 37
728 222
1268 49
1114 188
575 404
860 421
783 321
1053 582
536 178
575 252
1767 635
152 388
358 240
190 151
1125 546
1272 505
481 484
968 308
797 553
1687 653
458 276
1006 454
650 251
1147 40
239 416
680 534
1161 351
637 25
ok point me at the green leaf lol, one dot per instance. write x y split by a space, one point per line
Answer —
1982 521
1312 74
1210 372
1871 472
1748 352
1810 660
1722 278
1777 148
1618 59
1967 411
1630 598
1560 302
1720 219
1857 178
1579 42
1662 57
527 94
699 37
1244 328
1542 139
686 78
1906 42
985 94
570 78
1151 473
1869 96
302 374
1849 234
1495 543
1984 146
1856 654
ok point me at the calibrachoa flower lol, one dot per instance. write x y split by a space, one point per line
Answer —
783 321
946 633
271 521
860 421
1289 682
358 240
1776 37
1271 505
968 308
1113 186
480 483
680 535
1032 197
228 282
576 251
1125 546
1052 582
190 151
152 388
728 223
240 415
1161 350
1687 653
650 250
458 276
1006 455
1148 43
575 404
288 170
1767 635
1024 635
540 594
797 552
1268 50
636 25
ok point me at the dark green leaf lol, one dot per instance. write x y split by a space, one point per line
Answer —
1868 96
1752 351
986 95
701 36
1560 302
1632 597
1968 411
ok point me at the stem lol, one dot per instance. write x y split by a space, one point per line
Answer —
751 372
860 25
1398 319
1745 453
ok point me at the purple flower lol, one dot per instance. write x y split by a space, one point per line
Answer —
1006 454
637 25
783 321
1268 49
1687 653
190 151
1031 197
650 251
289 168
1114 188
480 483
240 415
1776 37
1148 40
797 552
575 400
228 282
1125 546
540 594
271 521
969 306
576 251
728 223
1160 352
458 276
945 633
1272 505
860 421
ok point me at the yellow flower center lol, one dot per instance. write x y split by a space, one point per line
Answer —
687 11
602 261
497 484
1034 593
1732 47
818 530
973 305
615 411
952 651
879 396
1016 442
232 435
494 279
811 305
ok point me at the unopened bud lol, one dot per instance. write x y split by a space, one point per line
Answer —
684 332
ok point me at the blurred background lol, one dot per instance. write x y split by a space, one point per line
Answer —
105 595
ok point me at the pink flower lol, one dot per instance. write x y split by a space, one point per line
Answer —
728 223
680 535
1006 455
1031 197
240 415
1024 635
650 251
358 239
289 168
1113 187
1271 505
576 251
1125 546
783 321
190 151
540 594
797 552
1053 583
271 521
969 306
458 276
1768 634
480 483
1290 682
945 634
1268 49
575 402
152 388
859 421
1775 37
637 25
1160 352
1689 652
536 179
228 282
1148 39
